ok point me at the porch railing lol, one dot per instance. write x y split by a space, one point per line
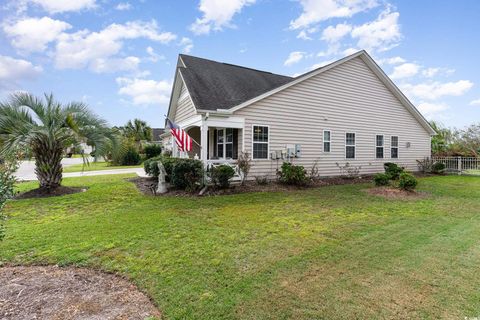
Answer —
231 163
460 165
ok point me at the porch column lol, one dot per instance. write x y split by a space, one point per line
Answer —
203 141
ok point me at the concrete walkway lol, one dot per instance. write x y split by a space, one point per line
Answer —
26 171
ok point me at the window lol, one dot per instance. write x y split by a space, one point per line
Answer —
260 142
379 142
225 143
394 147
350 145
326 140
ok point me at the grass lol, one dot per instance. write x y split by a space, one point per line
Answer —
326 253
93 166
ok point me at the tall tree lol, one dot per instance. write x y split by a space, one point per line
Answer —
45 127
138 130
468 140
442 140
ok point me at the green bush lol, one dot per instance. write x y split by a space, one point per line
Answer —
152 150
438 168
293 175
7 182
381 179
131 157
186 174
392 170
221 175
150 166
407 181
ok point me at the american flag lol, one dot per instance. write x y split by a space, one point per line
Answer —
183 140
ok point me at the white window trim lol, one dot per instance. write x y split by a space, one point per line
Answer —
224 143
377 146
398 147
268 142
323 141
354 145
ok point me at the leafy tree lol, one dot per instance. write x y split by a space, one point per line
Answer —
45 127
138 130
468 140
442 140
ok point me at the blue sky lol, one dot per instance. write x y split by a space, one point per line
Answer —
120 56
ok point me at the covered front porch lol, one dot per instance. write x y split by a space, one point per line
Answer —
215 140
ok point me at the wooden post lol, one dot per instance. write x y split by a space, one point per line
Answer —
459 165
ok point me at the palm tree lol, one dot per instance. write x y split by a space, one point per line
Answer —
138 130
46 128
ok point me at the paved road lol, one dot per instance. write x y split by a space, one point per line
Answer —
26 171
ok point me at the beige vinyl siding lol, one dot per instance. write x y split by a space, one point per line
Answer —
347 98
185 108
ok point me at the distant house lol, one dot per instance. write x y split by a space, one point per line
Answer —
347 111
156 134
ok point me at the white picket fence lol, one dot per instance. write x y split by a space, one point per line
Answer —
460 165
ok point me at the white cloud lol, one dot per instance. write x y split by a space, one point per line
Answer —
58 6
85 49
217 14
430 72
435 90
392 61
315 11
381 34
123 6
349 51
294 57
109 65
34 34
187 44
430 110
153 56
475 102
304 35
334 34
14 70
405 70
143 91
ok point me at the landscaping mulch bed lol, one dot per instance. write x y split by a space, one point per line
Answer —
51 292
44 193
147 185
395 193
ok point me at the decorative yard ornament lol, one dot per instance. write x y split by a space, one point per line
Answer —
162 184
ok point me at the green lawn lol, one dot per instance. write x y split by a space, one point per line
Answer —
326 253
93 166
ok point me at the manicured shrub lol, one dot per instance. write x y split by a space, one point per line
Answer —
152 150
438 168
221 175
150 166
7 182
292 174
407 181
381 179
131 157
186 174
392 170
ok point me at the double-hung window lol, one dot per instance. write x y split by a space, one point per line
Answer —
260 142
326 140
225 143
394 147
379 146
350 145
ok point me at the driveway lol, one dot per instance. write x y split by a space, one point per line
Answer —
26 170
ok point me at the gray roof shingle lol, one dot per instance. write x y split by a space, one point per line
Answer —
215 85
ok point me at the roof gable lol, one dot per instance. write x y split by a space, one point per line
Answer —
214 85
370 63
